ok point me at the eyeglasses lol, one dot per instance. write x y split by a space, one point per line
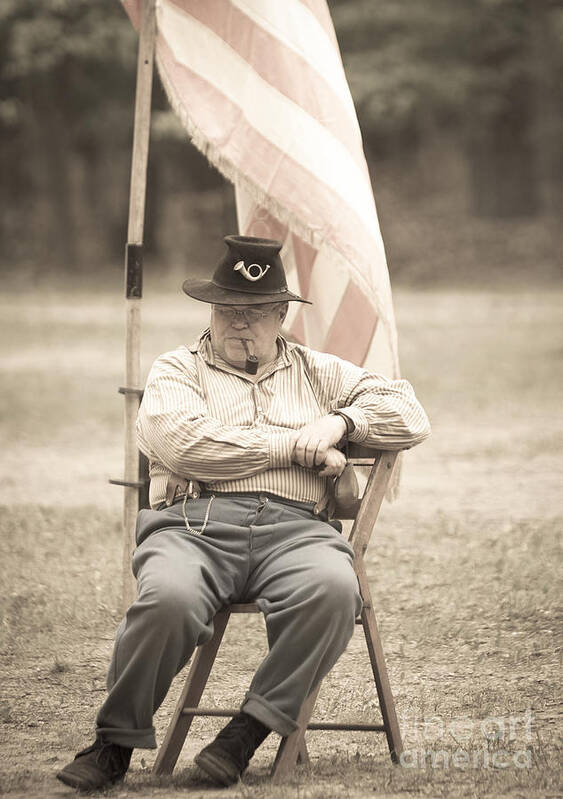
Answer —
251 315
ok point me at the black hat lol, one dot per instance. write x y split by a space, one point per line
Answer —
250 273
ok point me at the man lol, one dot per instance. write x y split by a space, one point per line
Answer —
242 432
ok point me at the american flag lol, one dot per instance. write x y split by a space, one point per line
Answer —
260 88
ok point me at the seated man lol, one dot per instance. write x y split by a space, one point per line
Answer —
241 431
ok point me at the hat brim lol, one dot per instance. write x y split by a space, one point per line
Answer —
207 291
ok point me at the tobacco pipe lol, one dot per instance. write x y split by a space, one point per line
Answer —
251 365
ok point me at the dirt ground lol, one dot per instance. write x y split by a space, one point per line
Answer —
464 567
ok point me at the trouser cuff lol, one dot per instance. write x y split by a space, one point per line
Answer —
268 714
136 739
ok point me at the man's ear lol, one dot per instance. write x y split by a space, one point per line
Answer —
283 312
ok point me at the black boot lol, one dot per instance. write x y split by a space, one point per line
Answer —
226 758
98 766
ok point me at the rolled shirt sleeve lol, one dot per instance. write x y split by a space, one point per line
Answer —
385 412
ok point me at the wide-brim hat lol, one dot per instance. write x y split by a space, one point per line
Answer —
250 273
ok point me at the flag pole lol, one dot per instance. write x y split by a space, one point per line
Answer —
134 289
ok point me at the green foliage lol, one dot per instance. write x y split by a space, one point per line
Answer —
427 59
42 35
75 55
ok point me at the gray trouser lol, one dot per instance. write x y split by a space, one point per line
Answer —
256 547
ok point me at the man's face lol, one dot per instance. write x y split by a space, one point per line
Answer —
260 327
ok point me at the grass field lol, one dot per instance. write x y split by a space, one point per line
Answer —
465 566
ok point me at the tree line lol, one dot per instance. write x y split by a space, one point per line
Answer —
482 76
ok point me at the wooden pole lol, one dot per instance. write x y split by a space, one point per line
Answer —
134 287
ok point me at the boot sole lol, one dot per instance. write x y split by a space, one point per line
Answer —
74 781
217 769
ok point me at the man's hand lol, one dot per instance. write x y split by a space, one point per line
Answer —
334 463
314 442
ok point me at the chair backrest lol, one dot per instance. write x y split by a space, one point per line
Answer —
357 452
350 487
382 464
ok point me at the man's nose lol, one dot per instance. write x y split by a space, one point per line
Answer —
239 322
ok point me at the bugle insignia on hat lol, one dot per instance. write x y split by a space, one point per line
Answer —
259 271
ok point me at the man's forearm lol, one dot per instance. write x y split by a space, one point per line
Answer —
208 450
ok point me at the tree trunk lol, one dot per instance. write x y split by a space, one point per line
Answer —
501 111
503 169
549 129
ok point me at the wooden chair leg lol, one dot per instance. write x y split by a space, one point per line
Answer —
294 746
379 668
191 694
303 755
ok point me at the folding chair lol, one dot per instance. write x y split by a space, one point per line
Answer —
293 747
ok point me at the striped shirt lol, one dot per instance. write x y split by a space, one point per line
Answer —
203 419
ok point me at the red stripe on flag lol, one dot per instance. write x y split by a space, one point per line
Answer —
134 11
353 326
